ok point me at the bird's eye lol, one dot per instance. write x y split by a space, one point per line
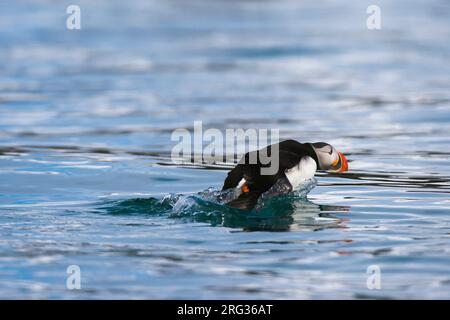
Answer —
327 149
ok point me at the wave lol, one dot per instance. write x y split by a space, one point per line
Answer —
278 213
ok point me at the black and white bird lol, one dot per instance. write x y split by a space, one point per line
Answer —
297 161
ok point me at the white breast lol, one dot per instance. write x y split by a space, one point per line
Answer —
303 171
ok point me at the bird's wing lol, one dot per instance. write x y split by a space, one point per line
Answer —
252 172
258 183
234 177
290 153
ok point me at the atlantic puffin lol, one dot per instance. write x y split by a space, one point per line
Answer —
298 162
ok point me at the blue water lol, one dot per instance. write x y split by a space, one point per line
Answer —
86 177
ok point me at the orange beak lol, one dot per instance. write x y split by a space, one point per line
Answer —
344 163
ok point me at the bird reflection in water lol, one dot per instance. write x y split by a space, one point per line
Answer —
281 214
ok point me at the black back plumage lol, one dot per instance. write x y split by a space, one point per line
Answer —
290 154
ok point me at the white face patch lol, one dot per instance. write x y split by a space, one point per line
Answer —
303 171
326 155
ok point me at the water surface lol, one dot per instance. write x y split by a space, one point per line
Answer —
85 170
